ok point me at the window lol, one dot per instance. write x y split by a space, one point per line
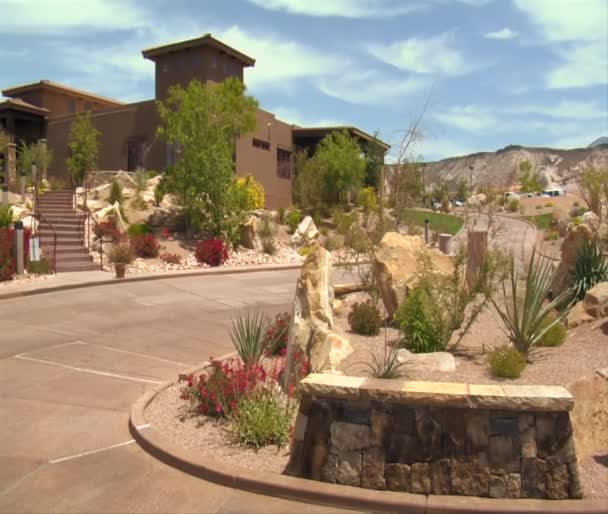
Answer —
135 154
283 163
261 145
72 105
165 67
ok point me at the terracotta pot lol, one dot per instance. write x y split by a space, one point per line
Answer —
120 270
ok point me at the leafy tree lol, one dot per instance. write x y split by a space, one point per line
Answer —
406 185
593 186
463 190
202 122
34 153
531 179
83 147
374 160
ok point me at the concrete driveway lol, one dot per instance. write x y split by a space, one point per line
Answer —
73 362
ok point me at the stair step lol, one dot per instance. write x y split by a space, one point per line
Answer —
83 266
67 251
61 235
74 258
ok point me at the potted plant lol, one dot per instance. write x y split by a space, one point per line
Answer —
120 256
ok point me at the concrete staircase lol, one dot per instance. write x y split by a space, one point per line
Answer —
57 210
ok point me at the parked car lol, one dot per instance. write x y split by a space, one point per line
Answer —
458 203
550 193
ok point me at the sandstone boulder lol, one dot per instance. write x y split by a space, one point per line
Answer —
248 233
306 232
327 351
578 316
568 250
476 200
112 210
124 179
397 263
436 361
596 300
592 221
19 213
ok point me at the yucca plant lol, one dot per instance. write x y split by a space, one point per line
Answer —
248 334
590 267
385 364
525 312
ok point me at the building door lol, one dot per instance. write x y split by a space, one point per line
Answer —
135 155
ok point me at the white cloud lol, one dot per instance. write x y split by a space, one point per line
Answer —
296 117
577 31
504 33
371 87
341 8
423 55
578 110
470 118
38 16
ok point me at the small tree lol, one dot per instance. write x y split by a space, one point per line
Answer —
530 178
463 190
593 186
34 153
202 123
83 147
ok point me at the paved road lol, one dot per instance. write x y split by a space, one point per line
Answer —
71 365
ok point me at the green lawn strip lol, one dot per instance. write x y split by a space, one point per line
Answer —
439 222
542 221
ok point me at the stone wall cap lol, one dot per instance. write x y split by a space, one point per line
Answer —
519 397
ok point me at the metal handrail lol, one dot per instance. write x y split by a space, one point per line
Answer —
40 217
86 215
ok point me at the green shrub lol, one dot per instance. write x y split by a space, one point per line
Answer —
316 217
41 267
590 267
422 330
367 200
304 251
333 243
364 319
513 205
343 221
6 216
551 235
261 419
159 193
121 254
356 239
116 193
269 245
507 362
293 220
538 207
555 335
249 193
267 228
139 229
282 215
247 333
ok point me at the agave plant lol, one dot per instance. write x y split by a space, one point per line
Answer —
526 313
590 267
385 364
248 334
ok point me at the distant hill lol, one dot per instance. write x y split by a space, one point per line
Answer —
599 141
561 167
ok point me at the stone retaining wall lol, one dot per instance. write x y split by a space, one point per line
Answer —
437 438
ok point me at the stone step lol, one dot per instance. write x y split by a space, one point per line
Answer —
74 258
49 241
76 266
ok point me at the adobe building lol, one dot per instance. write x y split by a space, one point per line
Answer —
128 131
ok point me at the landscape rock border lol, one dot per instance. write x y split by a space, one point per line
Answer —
299 489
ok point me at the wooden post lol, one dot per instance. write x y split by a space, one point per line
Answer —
477 247
10 175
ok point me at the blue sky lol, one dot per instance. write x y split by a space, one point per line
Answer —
492 72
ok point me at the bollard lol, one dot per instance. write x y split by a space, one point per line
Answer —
445 242
19 249
426 231
4 195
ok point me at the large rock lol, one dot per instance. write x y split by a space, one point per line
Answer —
578 316
20 213
312 310
596 300
249 233
306 232
114 211
592 221
568 250
124 179
397 263
327 351
437 361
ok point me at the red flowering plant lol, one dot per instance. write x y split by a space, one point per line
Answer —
277 333
212 252
145 245
166 233
107 230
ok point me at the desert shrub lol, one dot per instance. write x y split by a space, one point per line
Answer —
421 328
344 221
159 192
507 362
42 267
139 229
267 228
282 215
304 251
212 252
577 211
249 193
171 258
262 419
269 245
367 200
556 335
145 246
57 184
357 239
316 216
115 193
277 333
247 333
590 267
121 254
523 311
333 243
107 230
513 205
6 216
551 235
549 204
385 364
293 220
324 231
364 319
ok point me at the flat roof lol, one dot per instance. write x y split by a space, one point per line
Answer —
48 84
206 40
323 131
19 105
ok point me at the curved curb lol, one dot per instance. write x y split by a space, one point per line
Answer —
304 490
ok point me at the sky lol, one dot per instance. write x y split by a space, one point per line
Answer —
483 74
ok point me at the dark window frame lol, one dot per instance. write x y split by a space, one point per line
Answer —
260 144
284 158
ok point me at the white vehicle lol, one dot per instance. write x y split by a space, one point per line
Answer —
550 193
512 195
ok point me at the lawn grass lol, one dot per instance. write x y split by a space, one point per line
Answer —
542 221
439 222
